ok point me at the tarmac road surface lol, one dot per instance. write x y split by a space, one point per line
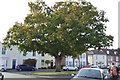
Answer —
14 76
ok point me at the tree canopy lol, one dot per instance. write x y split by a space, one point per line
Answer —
67 28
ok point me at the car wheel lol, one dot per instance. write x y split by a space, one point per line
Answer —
76 69
2 69
67 69
33 69
20 69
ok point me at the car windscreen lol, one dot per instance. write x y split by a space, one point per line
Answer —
91 73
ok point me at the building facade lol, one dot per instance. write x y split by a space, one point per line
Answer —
12 57
96 57
101 57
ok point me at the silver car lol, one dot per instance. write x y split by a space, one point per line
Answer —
70 68
3 68
92 74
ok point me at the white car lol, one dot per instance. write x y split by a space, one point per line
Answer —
3 68
70 68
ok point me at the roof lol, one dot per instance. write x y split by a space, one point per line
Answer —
112 52
93 69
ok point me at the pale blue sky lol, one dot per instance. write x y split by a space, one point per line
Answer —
16 10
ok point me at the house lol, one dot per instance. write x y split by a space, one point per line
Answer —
43 59
12 57
103 57
112 56
96 57
78 61
83 59
70 61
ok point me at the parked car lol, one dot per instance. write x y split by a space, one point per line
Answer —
94 66
104 67
92 74
3 68
25 67
118 66
70 68
87 66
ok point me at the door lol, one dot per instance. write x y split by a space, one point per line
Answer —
13 63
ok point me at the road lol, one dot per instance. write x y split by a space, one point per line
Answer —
26 75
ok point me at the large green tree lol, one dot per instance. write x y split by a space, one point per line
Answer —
67 28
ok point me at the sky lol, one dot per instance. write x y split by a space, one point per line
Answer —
12 11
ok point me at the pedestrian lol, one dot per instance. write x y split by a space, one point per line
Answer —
114 72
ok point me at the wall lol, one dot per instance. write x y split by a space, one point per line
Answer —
13 57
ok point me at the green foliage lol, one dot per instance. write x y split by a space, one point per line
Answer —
47 62
67 28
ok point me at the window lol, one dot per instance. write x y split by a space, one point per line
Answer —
34 54
42 62
70 63
115 53
108 58
103 57
3 51
96 63
67 63
43 54
117 59
24 54
96 57
83 63
107 52
83 55
80 56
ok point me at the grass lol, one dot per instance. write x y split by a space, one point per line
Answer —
55 73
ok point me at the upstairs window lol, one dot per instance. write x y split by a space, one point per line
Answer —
34 53
42 62
3 50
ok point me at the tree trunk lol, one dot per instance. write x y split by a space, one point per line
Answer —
73 61
78 56
58 64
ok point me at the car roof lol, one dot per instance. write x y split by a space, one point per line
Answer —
94 69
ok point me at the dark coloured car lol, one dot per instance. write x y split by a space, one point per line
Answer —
92 74
104 67
24 67
118 67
